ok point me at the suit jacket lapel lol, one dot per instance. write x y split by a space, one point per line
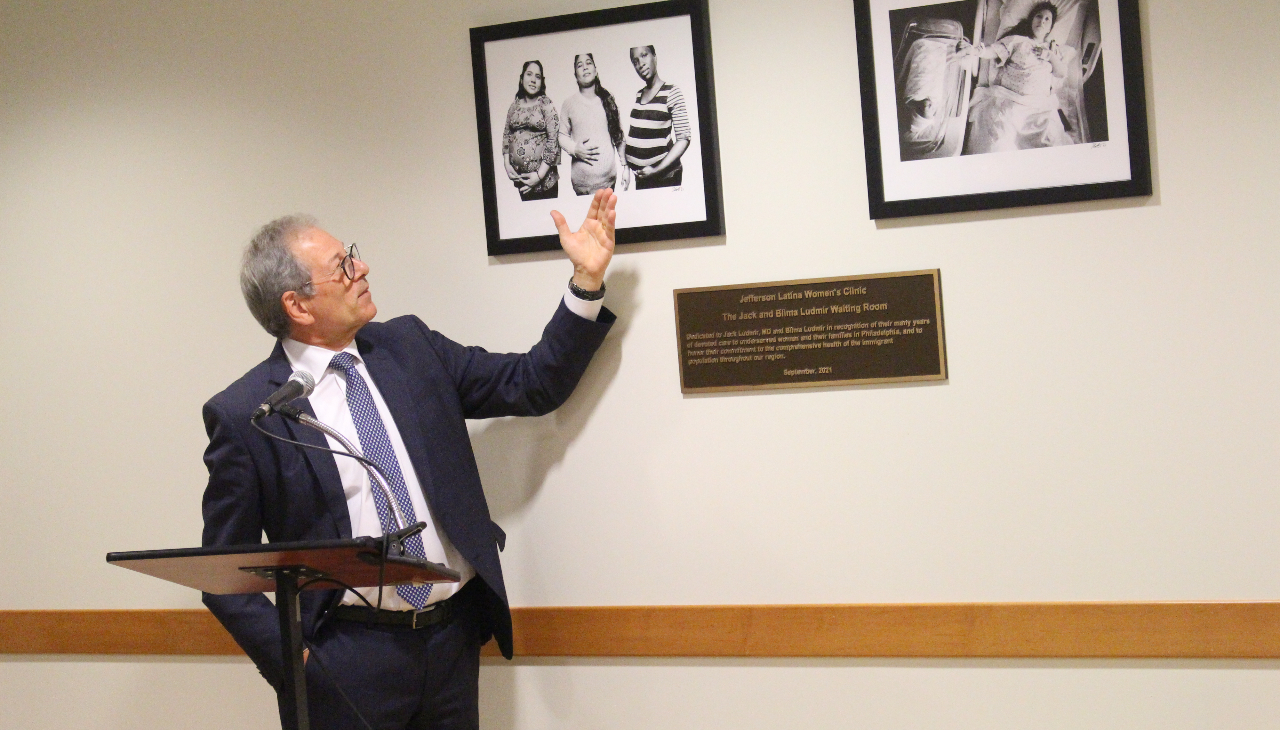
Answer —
322 463
395 386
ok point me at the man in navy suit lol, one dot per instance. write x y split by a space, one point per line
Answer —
402 392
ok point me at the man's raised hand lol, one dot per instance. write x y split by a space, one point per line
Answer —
591 246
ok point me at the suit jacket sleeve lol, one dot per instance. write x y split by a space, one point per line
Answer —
232 516
529 384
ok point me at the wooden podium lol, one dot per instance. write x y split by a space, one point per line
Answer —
286 569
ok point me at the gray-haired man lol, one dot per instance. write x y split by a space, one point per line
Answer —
401 391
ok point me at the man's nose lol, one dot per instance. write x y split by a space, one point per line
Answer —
362 269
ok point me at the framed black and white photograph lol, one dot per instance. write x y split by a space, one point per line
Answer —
620 98
981 104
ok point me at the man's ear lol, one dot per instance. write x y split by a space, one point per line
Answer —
295 307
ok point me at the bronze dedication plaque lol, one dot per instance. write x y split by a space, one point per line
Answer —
879 328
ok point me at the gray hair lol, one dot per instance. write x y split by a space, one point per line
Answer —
269 269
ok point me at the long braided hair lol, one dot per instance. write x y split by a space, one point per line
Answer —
611 115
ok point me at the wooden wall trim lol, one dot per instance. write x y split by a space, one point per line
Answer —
181 632
1220 630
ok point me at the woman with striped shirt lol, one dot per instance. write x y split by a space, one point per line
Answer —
659 132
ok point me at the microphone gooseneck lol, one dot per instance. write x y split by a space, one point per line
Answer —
376 475
301 385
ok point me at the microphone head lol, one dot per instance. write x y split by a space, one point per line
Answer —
303 378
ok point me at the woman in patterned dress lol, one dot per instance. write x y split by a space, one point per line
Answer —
530 144
1019 110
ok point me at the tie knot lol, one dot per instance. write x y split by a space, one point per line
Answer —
343 361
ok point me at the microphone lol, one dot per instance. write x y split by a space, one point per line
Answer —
299 385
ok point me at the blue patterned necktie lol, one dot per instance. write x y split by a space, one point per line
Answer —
377 448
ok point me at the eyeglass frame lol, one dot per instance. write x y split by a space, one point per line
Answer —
346 266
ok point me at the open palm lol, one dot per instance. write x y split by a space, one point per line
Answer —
591 246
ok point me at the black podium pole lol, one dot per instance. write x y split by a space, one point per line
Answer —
294 687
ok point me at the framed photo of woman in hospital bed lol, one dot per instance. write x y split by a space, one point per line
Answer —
981 104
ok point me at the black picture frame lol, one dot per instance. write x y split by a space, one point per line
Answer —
917 161
690 208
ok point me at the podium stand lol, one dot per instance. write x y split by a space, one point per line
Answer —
286 569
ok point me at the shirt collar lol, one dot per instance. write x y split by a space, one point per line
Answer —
313 358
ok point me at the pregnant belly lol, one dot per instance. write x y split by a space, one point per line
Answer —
525 150
593 174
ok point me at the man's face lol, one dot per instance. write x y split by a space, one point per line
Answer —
339 305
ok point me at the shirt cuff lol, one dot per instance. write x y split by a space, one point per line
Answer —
581 307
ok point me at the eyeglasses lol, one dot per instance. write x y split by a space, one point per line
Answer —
348 266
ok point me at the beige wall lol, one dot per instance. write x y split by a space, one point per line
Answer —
1109 430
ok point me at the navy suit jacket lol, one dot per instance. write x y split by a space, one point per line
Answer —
430 384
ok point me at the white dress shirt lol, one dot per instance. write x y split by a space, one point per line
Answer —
329 401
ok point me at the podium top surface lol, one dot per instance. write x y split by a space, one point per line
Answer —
227 569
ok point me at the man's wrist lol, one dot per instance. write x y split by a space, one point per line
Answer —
586 290
587 281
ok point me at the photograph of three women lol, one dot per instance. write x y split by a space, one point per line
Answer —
618 98
604 147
